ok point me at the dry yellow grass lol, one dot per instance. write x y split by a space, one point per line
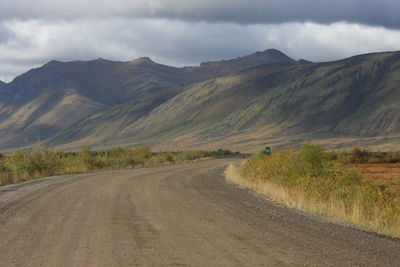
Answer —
334 208
273 191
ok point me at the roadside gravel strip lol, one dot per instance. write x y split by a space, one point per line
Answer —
177 215
12 196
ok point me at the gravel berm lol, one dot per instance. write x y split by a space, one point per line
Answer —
177 215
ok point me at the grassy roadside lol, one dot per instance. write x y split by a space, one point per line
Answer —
42 161
322 182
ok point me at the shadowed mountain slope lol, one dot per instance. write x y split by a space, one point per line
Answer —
304 61
356 97
44 101
226 67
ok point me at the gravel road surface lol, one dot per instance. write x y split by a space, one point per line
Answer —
179 215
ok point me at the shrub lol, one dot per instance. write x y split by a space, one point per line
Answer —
190 155
362 156
393 157
313 160
89 159
161 158
39 161
142 153
314 180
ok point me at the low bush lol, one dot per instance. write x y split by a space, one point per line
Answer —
42 161
363 156
312 179
38 161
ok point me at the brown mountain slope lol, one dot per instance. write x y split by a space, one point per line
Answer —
356 100
107 122
44 101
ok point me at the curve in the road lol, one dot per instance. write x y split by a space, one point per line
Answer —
183 215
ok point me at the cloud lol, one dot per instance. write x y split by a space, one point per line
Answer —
187 32
32 43
370 12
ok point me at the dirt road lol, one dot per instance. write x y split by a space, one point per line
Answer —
181 215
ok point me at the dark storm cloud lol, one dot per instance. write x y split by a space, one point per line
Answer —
187 32
371 12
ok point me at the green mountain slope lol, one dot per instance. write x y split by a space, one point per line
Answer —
281 104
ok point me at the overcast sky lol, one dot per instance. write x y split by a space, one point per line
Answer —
187 32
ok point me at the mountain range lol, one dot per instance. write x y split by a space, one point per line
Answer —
265 98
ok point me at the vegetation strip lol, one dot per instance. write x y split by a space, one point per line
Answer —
326 183
43 161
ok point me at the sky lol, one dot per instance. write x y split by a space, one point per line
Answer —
188 32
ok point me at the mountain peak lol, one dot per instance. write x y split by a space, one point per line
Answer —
269 56
100 59
272 50
272 54
53 63
304 61
142 60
